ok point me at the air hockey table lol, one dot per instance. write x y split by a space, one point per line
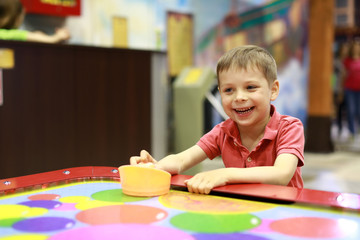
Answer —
88 203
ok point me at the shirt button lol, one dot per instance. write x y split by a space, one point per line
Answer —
235 144
249 159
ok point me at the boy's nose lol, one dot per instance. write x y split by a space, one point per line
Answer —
241 96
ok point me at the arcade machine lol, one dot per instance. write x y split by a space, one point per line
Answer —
89 203
191 89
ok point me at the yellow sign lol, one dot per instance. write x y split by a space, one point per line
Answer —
180 41
193 76
6 58
120 32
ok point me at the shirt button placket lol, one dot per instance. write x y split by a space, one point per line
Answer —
248 162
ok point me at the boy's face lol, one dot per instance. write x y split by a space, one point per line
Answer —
246 96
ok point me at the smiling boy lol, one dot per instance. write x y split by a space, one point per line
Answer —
256 143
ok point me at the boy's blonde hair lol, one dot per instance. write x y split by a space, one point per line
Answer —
248 56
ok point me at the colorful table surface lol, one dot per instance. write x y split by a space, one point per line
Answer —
88 203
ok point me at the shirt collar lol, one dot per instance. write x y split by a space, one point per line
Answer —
271 129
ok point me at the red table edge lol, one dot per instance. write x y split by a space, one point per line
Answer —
264 191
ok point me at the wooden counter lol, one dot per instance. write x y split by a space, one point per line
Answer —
67 106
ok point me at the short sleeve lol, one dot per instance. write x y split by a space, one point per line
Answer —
209 143
291 139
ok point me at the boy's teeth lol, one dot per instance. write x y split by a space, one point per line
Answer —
243 110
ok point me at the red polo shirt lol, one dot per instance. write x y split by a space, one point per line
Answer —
283 134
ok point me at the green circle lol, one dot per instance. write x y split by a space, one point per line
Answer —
215 223
115 195
8 222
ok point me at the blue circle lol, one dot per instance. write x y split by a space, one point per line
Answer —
48 204
44 224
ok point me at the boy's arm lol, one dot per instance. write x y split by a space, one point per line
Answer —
174 163
177 163
279 174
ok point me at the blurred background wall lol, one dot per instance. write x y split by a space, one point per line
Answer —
218 25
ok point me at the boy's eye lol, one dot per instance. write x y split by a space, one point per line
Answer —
251 87
227 90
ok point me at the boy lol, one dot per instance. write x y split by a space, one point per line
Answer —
256 143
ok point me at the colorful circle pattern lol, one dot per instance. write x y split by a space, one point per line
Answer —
109 214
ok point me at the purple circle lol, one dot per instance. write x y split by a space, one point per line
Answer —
229 236
44 224
123 231
48 204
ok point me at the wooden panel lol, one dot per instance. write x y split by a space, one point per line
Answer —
321 37
121 108
35 119
67 106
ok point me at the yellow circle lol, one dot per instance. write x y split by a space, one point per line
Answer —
36 211
210 204
20 211
13 211
25 237
74 199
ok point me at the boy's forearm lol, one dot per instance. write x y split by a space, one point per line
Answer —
177 163
170 164
266 175
280 174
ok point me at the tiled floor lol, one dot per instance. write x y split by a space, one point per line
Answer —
337 172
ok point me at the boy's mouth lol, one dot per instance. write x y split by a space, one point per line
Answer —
244 110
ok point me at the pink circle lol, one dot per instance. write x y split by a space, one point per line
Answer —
67 207
127 213
123 231
44 197
264 227
310 227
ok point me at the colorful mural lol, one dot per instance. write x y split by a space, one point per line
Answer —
279 26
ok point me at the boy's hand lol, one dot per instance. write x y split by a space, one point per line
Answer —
144 158
203 182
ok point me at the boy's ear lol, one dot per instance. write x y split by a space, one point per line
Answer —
274 90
